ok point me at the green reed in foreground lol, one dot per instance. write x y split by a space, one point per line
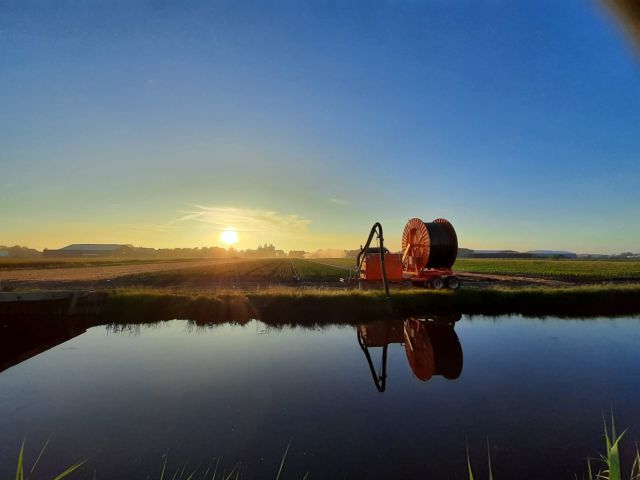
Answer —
610 465
611 459
213 471
22 469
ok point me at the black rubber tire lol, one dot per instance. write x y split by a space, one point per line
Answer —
437 283
453 283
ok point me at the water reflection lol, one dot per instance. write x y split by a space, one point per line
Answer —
21 340
431 345
232 391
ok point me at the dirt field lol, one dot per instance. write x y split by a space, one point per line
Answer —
100 272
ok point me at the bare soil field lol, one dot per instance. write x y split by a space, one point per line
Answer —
96 272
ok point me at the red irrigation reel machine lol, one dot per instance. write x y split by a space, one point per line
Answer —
429 250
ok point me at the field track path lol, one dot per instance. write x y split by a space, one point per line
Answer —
101 272
510 278
296 275
341 267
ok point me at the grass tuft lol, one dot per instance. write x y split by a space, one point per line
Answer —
21 468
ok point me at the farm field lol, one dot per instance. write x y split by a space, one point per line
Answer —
81 262
177 272
285 270
92 271
275 269
571 270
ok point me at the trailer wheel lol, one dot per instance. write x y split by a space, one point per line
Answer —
437 283
453 283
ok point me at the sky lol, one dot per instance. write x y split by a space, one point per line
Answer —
301 124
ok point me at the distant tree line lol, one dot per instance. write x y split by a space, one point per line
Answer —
270 251
262 251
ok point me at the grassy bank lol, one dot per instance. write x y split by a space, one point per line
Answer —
325 306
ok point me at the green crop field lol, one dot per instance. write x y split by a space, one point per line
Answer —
559 269
338 262
577 270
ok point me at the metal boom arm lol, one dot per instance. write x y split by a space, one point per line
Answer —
362 255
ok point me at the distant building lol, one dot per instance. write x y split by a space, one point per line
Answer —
552 254
90 250
141 251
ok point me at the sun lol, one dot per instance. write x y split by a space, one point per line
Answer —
229 236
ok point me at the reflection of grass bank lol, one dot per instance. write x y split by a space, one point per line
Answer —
317 306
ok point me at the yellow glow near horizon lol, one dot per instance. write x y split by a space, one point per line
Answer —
229 236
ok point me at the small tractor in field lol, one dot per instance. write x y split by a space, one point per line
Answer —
429 250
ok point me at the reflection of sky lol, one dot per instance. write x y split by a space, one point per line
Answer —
518 121
537 389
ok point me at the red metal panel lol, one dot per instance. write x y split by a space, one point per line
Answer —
371 269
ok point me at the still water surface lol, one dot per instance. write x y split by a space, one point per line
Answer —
536 389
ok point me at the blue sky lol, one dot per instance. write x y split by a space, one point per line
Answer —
302 123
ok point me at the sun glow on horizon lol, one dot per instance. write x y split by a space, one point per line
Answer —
229 236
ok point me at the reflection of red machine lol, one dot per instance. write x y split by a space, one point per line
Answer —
429 250
432 346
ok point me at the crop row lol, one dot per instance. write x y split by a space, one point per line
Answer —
274 269
562 269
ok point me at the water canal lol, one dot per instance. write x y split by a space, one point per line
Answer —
125 395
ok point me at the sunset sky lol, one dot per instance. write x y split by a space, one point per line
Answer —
301 123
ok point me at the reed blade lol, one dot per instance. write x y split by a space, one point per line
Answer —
282 461
44 447
70 470
469 470
19 469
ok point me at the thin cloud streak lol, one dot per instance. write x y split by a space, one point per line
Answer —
246 220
